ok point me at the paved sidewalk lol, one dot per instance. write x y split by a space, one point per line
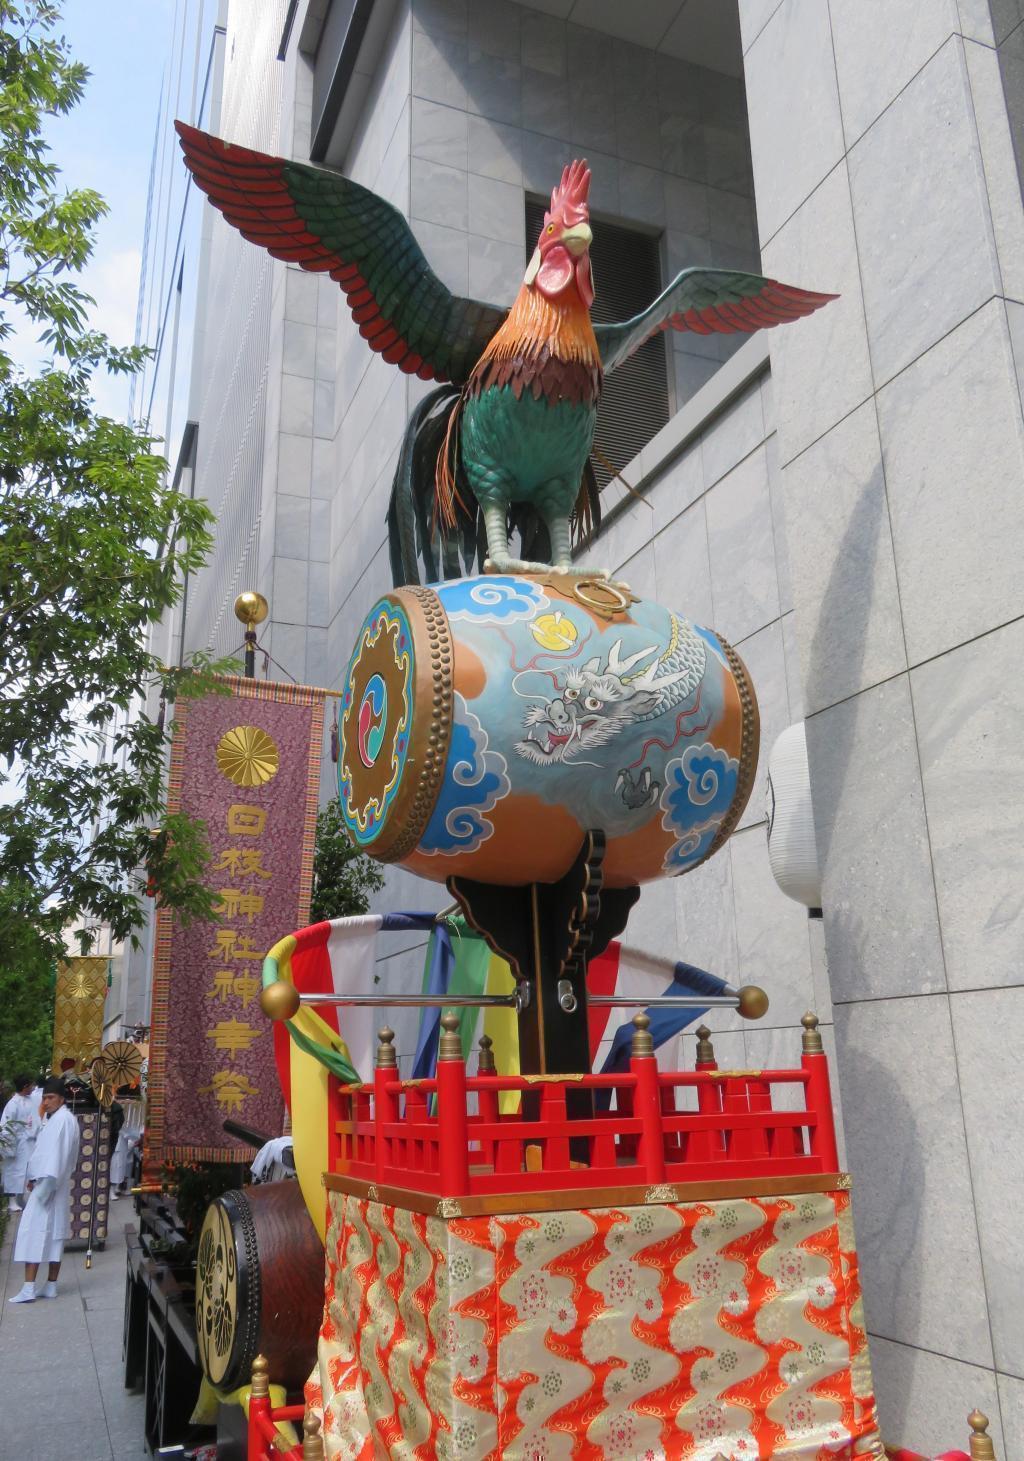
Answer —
61 1391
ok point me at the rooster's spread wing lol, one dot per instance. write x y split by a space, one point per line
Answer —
709 301
329 224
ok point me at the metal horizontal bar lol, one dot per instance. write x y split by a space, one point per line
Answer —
669 1001
414 1001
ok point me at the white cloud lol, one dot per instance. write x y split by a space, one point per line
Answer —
112 278
113 281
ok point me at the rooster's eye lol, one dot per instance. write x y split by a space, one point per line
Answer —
551 228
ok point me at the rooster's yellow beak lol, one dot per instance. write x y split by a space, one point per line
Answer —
577 239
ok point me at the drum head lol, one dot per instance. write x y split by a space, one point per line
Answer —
227 1310
396 722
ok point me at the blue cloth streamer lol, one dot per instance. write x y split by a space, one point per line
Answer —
441 964
665 1021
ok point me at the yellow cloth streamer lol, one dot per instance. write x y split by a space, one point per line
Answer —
205 1412
502 1027
308 1094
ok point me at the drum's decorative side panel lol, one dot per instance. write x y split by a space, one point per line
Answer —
560 705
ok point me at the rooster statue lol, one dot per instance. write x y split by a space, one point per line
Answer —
503 443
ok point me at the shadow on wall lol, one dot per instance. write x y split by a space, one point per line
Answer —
884 1155
844 601
575 91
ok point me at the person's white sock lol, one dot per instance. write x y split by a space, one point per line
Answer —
27 1295
12 1205
50 1289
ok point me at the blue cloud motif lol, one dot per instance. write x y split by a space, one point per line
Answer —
691 848
699 789
475 780
495 599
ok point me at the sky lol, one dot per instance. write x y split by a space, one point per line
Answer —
107 142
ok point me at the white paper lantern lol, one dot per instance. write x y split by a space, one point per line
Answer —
792 849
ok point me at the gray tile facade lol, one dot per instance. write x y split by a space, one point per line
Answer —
900 431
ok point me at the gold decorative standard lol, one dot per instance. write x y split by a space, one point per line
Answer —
78 1010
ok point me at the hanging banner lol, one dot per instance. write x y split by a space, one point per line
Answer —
248 764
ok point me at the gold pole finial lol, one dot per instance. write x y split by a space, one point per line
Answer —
486 1065
312 1440
705 1049
982 1447
260 1385
251 607
642 1045
280 1000
386 1057
752 1002
450 1047
812 1038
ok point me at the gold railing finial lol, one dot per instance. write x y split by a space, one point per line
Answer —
642 1044
450 1046
312 1439
982 1447
485 1064
260 1386
812 1036
705 1049
386 1057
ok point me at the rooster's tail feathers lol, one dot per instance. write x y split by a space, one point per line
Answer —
421 532
446 491
586 515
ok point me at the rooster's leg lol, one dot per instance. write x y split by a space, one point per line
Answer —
499 560
561 542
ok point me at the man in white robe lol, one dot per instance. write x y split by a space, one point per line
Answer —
19 1126
46 1222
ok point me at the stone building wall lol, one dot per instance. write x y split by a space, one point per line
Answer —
884 168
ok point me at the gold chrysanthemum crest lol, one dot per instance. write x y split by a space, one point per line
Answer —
247 756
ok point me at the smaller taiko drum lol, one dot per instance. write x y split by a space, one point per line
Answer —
489 723
259 1286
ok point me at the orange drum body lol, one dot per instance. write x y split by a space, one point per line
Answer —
488 723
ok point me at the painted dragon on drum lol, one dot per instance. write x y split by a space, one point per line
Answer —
596 702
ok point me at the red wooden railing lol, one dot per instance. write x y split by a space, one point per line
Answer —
263 1440
445 1136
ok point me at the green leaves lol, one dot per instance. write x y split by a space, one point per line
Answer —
27 980
94 544
343 878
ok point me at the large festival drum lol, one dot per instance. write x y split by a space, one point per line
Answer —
259 1286
489 722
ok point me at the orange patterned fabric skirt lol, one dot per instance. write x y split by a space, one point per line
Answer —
695 1330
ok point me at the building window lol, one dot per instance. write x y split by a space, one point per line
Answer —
627 277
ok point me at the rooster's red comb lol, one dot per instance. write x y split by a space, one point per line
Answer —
571 195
